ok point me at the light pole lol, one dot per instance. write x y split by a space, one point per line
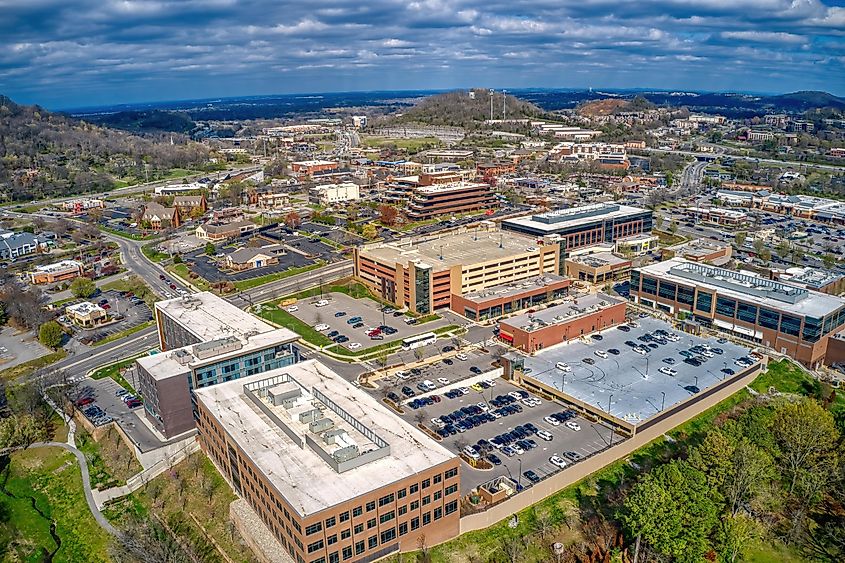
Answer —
663 403
611 422
696 381
519 476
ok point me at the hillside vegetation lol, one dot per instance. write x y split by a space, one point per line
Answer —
458 109
45 154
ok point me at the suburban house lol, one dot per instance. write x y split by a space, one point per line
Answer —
161 217
187 203
14 245
251 258
86 314
216 233
58 271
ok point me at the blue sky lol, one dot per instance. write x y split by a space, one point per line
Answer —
76 53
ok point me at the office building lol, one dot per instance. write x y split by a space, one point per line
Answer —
14 245
56 272
579 227
700 250
717 215
576 317
425 273
86 314
329 470
329 194
597 268
605 155
792 320
460 197
825 281
218 233
311 167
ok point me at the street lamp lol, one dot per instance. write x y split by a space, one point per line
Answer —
696 381
663 403
611 422
519 476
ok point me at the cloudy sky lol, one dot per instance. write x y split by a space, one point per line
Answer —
74 53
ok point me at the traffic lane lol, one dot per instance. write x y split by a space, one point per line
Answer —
591 439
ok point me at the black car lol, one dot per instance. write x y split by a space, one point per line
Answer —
631 343
623 328
613 351
531 476
357 325
589 361
692 389
692 362
393 397
597 337
332 334
416 371
494 459
475 370
728 371
340 314
448 362
448 348
408 392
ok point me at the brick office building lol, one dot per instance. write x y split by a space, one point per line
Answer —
448 199
793 320
333 475
531 332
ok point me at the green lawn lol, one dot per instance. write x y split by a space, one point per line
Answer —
126 235
110 461
285 319
784 376
29 367
51 477
261 280
124 333
152 254
113 371
184 272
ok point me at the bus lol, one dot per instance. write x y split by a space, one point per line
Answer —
419 340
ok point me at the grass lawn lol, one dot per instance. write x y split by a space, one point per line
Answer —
773 552
668 239
126 235
110 461
152 254
411 145
29 367
134 284
51 477
124 333
113 371
285 319
786 377
261 280
184 272
193 489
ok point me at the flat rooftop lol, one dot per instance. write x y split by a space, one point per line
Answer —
181 360
516 288
290 463
59 266
698 247
208 316
812 277
572 308
559 219
629 381
451 187
729 283
598 259
454 248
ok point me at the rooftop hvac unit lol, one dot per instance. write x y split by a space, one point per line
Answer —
320 425
330 437
310 416
345 454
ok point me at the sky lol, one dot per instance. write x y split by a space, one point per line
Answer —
80 53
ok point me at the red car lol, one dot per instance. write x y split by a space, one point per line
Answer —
84 401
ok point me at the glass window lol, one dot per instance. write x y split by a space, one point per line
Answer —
726 307
426 518
359 547
330 522
317 545
386 517
388 535
769 319
437 478
667 290
344 516
451 473
415 522
414 488
451 507
403 528
790 325
401 493
704 302
649 285
359 528
357 511
415 505
313 528
371 506
345 534
451 489
635 280
347 553
372 542
387 499
438 513
746 312
812 329
426 483
371 523
332 539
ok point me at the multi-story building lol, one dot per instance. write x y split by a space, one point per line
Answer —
460 197
58 271
425 273
329 470
579 227
311 167
218 233
161 217
793 320
187 203
328 194
717 215
760 136
599 267
700 250
605 154
14 245
567 321
205 340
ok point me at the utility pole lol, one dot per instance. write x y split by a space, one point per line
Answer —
491 105
504 109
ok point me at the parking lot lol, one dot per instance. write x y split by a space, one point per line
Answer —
207 266
128 312
450 368
590 439
342 308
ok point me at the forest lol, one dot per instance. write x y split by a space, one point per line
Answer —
45 154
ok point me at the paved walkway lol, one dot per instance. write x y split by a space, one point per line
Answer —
86 483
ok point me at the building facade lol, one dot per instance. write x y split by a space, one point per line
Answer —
788 318
56 272
449 199
597 268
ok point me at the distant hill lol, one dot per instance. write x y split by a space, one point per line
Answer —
461 109
45 154
145 121
810 99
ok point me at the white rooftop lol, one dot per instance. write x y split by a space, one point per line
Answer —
208 316
559 219
295 468
59 266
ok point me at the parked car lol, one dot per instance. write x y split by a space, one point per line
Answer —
557 461
531 476
572 425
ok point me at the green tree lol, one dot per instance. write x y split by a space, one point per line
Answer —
673 227
210 249
739 238
806 437
83 288
50 334
658 221
673 510
370 232
734 536
829 260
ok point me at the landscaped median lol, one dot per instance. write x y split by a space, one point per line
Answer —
113 371
27 368
243 285
124 333
182 271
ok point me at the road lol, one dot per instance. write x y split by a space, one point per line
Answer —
141 266
692 175
747 158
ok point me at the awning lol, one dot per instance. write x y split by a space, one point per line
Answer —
738 329
506 336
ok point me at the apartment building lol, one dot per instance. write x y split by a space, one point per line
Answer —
587 225
460 197
605 154
204 341
793 320
329 470
56 272
760 135
531 332
425 273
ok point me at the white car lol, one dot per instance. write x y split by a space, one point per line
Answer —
551 421
494 414
429 385
464 390
442 381
708 354
490 382
672 337
292 309
558 461
572 425
322 327
437 422
483 406
563 366
639 350
402 375
601 354
321 303
543 435
668 371
528 402
515 395
353 345
463 357
517 449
